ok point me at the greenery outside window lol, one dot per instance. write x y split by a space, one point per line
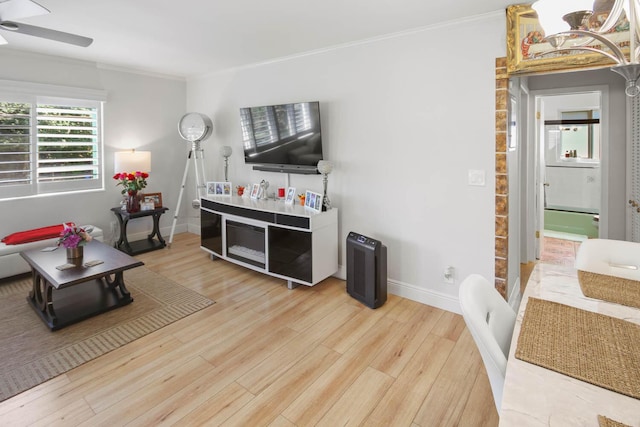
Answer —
49 144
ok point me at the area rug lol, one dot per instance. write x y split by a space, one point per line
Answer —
31 354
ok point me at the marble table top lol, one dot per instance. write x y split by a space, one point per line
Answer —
535 396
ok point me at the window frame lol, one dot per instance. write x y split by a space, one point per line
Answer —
38 94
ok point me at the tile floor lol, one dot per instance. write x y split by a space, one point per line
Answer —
555 250
559 251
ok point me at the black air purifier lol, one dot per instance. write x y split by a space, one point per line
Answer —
366 270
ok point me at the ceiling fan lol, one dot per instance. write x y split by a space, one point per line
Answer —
18 9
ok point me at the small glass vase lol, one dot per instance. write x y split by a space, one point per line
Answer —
133 202
74 253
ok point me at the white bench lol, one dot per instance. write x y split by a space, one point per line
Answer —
11 263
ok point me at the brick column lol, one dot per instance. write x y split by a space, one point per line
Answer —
502 179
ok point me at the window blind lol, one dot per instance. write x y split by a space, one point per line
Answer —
49 145
67 143
15 143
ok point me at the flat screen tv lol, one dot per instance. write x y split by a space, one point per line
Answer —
282 138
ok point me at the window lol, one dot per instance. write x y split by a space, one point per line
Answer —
49 144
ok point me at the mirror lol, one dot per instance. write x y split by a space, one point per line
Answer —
575 136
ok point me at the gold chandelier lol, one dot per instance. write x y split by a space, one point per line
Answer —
568 25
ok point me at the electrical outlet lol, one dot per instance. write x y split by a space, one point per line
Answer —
449 274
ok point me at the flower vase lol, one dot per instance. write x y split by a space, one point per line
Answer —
133 202
74 253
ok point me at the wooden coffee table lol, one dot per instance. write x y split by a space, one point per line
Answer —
63 297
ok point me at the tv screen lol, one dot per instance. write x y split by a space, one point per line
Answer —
282 135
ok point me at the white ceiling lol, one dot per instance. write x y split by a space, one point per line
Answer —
192 37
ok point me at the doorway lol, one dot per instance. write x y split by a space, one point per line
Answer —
516 245
569 143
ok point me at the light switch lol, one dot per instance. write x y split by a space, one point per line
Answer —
476 177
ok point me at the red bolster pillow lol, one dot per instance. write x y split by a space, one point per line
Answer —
34 235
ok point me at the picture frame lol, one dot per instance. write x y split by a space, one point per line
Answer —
313 201
147 206
219 188
227 189
290 196
255 191
156 198
525 44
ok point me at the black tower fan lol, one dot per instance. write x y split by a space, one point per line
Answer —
366 270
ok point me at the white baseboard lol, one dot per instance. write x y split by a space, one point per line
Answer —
515 297
193 228
424 296
414 293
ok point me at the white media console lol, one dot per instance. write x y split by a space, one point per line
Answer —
286 241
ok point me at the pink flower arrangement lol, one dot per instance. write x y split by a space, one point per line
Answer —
72 236
131 182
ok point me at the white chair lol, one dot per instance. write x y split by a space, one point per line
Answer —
616 258
490 320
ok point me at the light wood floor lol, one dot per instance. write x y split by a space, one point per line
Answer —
266 355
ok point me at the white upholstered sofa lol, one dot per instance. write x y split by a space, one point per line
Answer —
11 263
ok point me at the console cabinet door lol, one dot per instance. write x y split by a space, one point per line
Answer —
290 253
211 231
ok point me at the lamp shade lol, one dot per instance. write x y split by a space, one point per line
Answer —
550 13
132 161
325 167
225 151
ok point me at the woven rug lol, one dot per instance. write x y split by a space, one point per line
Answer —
31 354
591 347
608 422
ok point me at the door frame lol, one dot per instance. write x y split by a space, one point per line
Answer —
534 161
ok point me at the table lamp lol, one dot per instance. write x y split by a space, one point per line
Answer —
132 161
325 167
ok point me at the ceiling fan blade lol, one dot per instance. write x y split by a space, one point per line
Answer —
2 41
18 9
46 33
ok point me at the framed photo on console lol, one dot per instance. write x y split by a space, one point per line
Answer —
226 188
219 188
255 191
291 196
313 201
156 198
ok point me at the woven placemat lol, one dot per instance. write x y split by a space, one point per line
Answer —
591 347
610 288
608 422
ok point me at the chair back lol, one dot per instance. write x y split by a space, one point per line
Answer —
490 320
616 258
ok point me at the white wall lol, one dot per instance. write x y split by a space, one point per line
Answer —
141 112
404 119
